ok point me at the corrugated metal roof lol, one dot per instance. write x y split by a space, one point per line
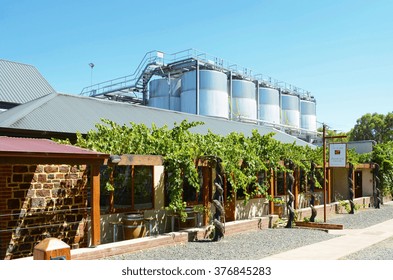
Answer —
71 113
21 83
30 145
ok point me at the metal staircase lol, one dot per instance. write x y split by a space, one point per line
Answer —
131 88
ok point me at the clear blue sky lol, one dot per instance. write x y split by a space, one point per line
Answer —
339 50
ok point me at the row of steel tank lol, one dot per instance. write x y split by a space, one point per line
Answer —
234 98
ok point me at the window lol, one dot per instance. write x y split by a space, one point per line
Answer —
263 181
280 183
252 188
133 186
143 187
190 195
122 182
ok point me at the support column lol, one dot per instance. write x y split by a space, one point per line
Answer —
95 206
297 187
271 192
207 185
230 96
324 172
197 88
329 185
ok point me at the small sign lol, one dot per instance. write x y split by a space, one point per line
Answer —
337 155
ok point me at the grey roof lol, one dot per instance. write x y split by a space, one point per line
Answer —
71 113
362 146
21 83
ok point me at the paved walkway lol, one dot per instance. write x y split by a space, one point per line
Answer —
353 240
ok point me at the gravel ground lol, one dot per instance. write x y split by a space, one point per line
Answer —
365 218
379 251
254 245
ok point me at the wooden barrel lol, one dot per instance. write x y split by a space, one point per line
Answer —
133 226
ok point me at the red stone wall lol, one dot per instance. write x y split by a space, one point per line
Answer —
39 201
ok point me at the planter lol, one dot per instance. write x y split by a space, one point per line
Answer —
278 209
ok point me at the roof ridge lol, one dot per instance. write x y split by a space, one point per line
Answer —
10 116
17 62
21 83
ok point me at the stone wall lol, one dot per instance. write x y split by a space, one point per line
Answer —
39 201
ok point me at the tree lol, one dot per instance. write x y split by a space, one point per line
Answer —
383 156
375 126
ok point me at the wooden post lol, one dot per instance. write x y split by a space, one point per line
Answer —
329 186
112 192
324 172
207 174
297 187
272 186
95 206
354 184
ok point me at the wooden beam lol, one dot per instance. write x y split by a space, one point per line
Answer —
363 166
95 206
318 225
150 160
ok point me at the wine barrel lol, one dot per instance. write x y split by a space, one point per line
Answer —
133 226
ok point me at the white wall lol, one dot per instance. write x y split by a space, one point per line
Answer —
339 184
256 207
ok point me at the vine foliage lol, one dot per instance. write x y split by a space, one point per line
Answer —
242 156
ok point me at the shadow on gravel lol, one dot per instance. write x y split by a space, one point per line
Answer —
204 241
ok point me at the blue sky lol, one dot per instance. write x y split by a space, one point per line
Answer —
339 50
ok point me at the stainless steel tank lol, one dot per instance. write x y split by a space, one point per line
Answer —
213 93
269 105
308 113
174 98
244 103
290 110
165 94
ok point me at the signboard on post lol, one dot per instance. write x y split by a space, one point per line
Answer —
337 155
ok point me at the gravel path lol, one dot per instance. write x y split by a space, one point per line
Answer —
263 243
380 251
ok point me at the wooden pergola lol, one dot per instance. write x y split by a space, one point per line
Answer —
44 151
